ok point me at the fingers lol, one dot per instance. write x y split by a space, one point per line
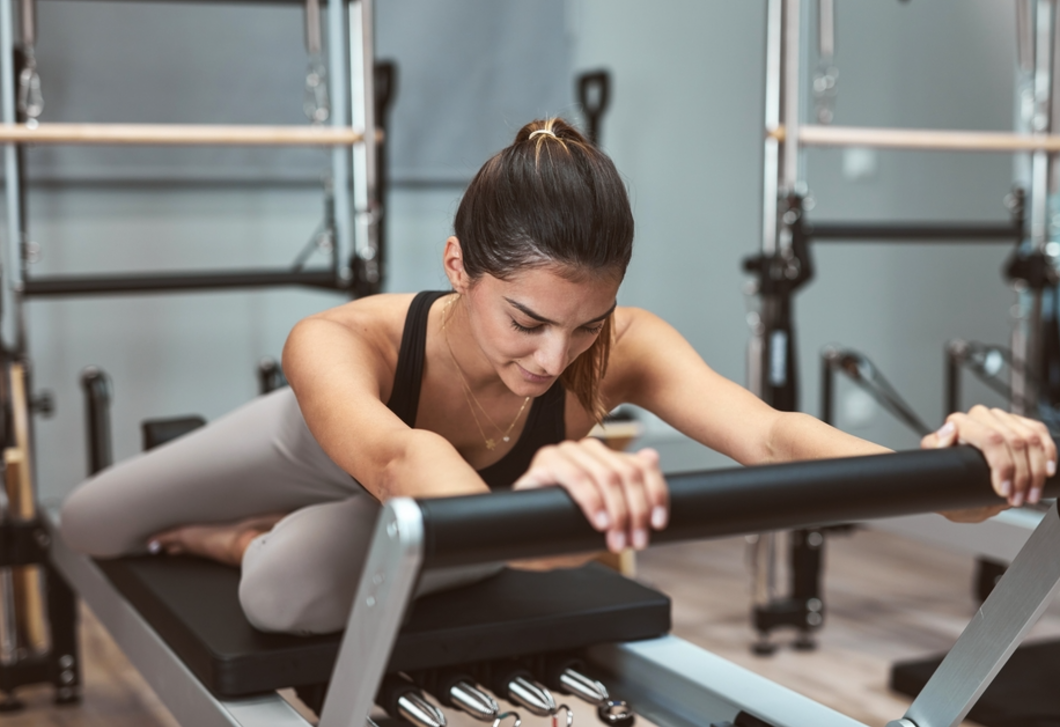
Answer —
1020 451
621 494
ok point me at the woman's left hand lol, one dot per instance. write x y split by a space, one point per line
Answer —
1020 451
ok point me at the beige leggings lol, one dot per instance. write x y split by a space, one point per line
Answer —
300 577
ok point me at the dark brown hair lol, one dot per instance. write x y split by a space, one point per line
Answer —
551 198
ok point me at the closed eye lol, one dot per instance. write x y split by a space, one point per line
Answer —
524 329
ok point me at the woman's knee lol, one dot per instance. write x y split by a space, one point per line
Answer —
280 596
91 523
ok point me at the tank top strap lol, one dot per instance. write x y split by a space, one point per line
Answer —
405 393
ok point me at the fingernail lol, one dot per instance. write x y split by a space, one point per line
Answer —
616 540
1050 468
154 547
1017 499
1034 496
944 432
601 520
1006 488
640 539
658 517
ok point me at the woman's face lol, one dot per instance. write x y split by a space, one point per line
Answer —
531 326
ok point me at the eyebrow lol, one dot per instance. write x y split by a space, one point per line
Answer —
541 319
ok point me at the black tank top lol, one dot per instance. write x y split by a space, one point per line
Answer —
544 424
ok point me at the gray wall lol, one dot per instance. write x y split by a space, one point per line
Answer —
685 129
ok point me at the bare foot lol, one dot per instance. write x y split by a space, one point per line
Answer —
223 542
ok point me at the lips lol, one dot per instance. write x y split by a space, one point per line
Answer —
534 378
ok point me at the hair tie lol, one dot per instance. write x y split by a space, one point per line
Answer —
550 132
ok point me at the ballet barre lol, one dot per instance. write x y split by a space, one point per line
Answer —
922 139
182 134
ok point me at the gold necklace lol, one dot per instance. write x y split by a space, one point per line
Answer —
469 395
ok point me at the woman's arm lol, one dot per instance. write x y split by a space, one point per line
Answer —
657 369
339 373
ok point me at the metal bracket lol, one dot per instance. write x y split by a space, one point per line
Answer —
385 590
1015 604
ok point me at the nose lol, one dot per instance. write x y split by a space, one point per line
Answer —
552 354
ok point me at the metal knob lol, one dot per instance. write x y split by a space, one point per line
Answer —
476 702
535 697
583 687
414 707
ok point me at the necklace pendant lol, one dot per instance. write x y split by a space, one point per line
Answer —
491 445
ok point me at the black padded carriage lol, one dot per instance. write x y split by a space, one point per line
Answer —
193 605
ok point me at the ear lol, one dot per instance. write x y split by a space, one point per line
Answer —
453 263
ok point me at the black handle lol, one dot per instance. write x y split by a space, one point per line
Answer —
534 523
594 96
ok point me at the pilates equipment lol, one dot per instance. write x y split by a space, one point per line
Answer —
180 622
859 369
342 95
785 264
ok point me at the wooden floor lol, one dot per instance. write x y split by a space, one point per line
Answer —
888 599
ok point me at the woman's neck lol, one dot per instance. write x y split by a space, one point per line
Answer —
463 352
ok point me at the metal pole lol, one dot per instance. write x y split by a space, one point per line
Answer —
792 96
1024 35
774 92
367 209
340 157
956 351
828 358
12 177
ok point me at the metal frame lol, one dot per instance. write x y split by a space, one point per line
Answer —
784 263
384 593
355 187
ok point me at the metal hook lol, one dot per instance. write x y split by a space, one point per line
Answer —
30 99
570 715
501 717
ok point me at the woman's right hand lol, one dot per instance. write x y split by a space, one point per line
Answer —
622 494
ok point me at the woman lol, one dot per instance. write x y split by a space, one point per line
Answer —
495 384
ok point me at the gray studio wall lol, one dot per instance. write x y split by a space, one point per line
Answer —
684 128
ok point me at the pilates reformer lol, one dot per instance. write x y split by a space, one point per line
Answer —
179 621
785 264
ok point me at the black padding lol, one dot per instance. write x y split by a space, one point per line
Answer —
1023 694
159 431
193 605
717 503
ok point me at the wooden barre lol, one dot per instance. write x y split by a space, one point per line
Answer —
181 134
924 139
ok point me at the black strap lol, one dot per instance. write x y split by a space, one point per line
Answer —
405 394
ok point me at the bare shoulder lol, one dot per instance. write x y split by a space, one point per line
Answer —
376 320
363 335
639 337
634 328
